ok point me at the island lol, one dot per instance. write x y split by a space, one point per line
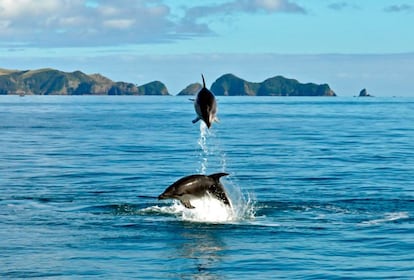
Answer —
364 93
191 89
231 85
48 81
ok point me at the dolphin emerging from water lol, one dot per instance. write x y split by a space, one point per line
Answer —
196 186
205 106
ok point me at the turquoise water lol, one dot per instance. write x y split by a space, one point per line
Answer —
322 188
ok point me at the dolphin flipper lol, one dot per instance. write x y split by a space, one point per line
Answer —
187 204
196 119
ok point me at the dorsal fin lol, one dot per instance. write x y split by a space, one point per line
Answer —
204 82
217 176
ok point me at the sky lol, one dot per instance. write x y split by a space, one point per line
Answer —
348 44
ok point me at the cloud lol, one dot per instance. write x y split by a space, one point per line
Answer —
275 6
70 23
245 6
60 23
339 6
194 16
399 8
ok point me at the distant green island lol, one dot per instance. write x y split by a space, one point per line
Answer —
49 81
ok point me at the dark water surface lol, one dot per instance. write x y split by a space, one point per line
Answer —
322 188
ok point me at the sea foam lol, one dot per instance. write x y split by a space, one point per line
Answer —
208 209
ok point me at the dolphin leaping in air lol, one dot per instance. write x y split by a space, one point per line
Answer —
205 106
196 186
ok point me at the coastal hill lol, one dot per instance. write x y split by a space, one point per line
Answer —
49 81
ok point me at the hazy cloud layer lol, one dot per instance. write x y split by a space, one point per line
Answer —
245 6
399 8
339 6
58 23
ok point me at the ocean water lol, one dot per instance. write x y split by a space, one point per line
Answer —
321 188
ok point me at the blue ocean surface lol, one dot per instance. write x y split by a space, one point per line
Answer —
321 188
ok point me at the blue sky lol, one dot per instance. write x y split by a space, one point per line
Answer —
347 44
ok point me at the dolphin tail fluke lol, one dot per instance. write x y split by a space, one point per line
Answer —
204 82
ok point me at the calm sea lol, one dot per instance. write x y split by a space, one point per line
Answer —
322 188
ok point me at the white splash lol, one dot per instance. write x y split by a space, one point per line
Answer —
388 217
208 209
202 142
